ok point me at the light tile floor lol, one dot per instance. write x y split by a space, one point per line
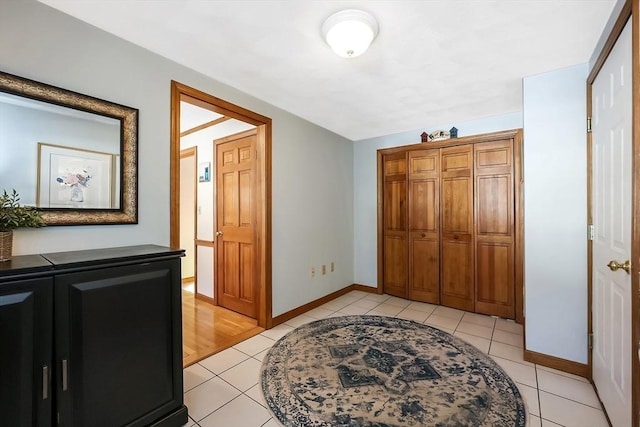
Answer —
224 391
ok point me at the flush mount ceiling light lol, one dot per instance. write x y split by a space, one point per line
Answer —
350 32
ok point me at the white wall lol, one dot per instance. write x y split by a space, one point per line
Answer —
312 168
365 185
555 199
188 184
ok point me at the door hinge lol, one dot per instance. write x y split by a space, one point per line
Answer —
590 341
588 124
590 232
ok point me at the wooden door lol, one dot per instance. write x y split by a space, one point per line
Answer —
424 226
611 210
456 207
395 224
494 229
236 223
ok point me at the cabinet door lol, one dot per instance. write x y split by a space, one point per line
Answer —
26 314
395 224
456 204
495 230
119 344
424 226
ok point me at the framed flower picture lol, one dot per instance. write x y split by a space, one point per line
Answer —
75 178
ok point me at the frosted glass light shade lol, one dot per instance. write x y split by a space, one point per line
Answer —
350 32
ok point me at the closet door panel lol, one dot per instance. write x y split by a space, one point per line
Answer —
424 202
424 164
395 225
457 274
424 219
425 269
457 205
395 209
457 248
494 279
495 156
494 229
395 266
494 202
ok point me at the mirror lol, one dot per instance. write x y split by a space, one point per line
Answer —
71 155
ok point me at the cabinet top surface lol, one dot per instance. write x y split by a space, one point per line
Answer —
24 263
62 259
44 264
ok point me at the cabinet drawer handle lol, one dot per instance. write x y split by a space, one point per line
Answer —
45 382
64 375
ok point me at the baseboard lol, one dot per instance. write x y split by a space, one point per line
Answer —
317 303
206 299
188 279
563 365
364 288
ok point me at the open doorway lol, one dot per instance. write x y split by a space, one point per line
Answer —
208 137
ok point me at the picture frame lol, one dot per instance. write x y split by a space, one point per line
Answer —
75 178
204 172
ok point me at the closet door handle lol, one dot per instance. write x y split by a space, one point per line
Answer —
45 382
65 379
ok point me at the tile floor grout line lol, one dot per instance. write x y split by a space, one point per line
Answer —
259 403
551 421
564 374
572 400
230 367
538 394
222 406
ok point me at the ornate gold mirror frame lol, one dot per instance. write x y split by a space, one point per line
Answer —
127 210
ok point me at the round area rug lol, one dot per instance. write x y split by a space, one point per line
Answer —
382 371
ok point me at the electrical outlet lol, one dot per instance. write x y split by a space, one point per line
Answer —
324 269
313 272
333 266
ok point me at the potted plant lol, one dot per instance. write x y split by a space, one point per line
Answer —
13 216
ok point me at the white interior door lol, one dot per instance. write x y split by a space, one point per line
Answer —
611 163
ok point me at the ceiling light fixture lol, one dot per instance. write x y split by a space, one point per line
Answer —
350 32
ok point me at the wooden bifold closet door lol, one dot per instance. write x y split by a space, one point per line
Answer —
494 229
395 224
448 223
457 227
424 226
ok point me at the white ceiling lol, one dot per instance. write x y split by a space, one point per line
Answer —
192 116
433 62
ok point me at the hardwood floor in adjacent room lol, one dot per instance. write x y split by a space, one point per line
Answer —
208 329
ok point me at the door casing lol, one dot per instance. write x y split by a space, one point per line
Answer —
181 92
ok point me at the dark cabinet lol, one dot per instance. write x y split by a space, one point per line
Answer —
26 352
100 332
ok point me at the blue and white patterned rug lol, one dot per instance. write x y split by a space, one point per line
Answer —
379 371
